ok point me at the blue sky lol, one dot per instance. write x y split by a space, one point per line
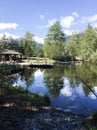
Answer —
19 16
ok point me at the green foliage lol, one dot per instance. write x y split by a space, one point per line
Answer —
9 44
14 45
34 99
40 53
72 45
93 57
27 45
83 46
89 43
54 42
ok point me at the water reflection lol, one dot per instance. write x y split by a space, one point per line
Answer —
27 76
6 81
53 80
70 87
38 85
74 99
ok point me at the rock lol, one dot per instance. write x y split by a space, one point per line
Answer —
45 119
54 120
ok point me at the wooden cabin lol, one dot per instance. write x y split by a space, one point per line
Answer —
10 55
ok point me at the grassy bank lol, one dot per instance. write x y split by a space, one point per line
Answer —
19 97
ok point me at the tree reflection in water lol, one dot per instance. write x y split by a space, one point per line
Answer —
8 93
74 86
28 76
85 74
53 80
6 81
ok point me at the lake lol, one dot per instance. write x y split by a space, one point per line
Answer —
71 88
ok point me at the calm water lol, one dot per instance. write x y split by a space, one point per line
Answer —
70 87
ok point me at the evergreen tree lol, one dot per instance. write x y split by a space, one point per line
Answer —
27 45
89 43
54 42
72 45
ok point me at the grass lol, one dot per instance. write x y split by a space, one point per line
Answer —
22 98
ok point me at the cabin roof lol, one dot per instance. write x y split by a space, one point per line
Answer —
6 51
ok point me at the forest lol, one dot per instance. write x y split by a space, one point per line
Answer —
57 46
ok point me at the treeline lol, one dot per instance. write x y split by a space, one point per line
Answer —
82 46
25 45
57 46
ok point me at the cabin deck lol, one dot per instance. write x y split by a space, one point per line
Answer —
31 65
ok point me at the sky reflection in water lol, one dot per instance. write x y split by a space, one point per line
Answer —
70 99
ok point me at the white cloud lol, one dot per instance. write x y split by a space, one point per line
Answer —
91 95
41 17
75 14
68 32
66 91
64 21
95 25
39 40
8 35
83 20
92 18
41 26
67 21
51 22
8 26
38 73
89 19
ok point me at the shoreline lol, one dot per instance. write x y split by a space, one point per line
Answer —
45 119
